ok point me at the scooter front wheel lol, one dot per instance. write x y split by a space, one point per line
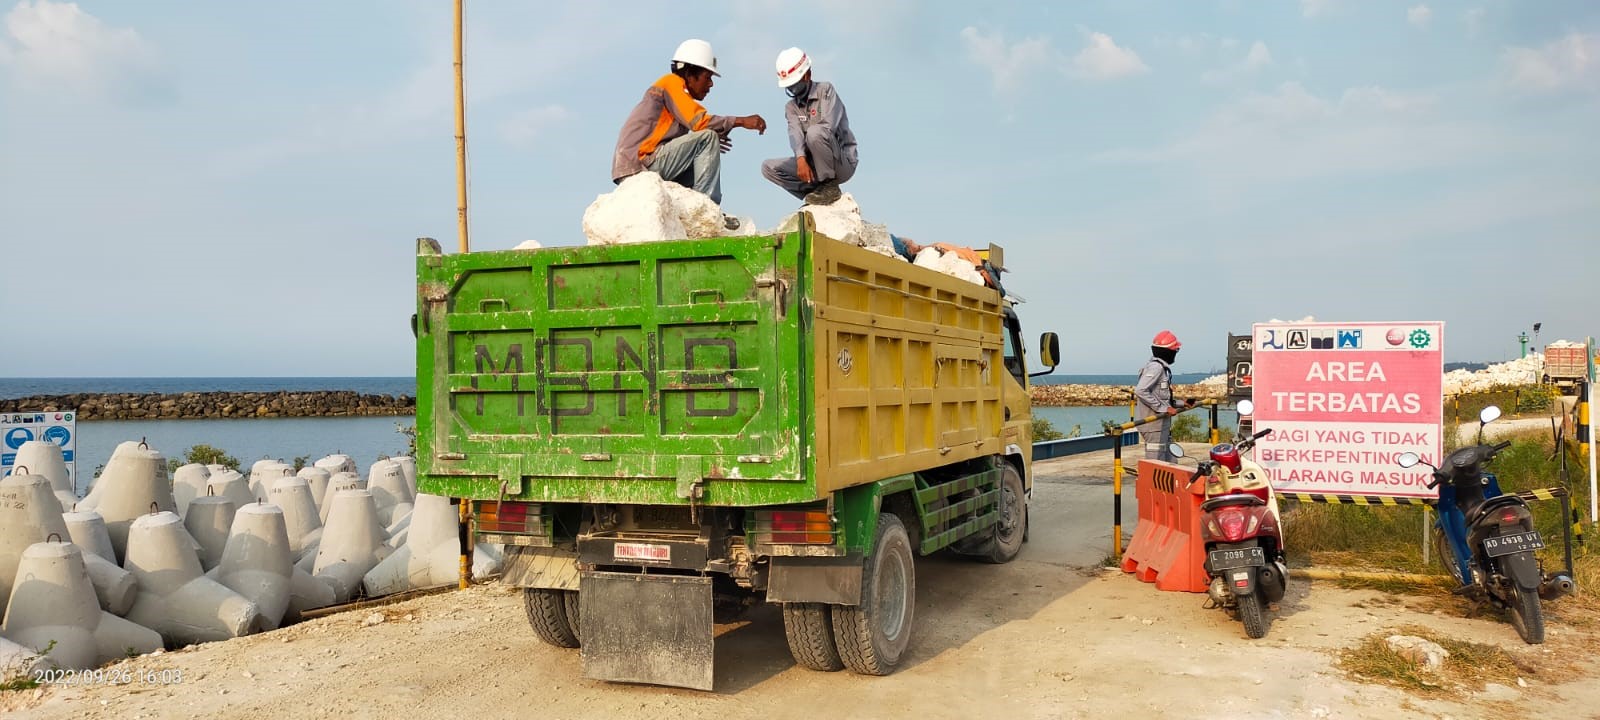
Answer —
1253 616
1527 615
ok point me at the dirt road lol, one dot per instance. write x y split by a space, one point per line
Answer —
1048 636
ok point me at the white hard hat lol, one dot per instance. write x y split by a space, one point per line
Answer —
792 65
697 53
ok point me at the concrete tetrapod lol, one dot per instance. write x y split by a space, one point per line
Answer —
17 661
209 521
336 464
256 562
44 458
430 556
91 500
339 481
304 526
174 597
188 483
352 543
88 531
133 484
29 515
387 482
231 485
408 466
53 612
266 472
317 479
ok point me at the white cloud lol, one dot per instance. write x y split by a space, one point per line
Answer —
1315 8
1294 134
1419 16
58 48
1258 58
1473 19
1572 62
1103 59
527 128
1007 62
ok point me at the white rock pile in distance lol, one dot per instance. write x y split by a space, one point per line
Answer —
1522 371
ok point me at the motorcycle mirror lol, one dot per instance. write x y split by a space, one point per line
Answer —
1408 459
1489 415
1246 408
1175 450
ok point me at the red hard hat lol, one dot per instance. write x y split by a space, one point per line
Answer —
1165 339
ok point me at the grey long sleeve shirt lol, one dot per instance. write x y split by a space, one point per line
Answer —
820 107
1154 388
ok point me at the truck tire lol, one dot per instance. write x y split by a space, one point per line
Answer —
809 629
1012 528
873 636
549 617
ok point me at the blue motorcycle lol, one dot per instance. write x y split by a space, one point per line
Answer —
1486 538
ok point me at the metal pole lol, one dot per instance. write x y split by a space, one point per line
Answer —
1425 551
1215 434
464 537
461 136
1588 439
1116 490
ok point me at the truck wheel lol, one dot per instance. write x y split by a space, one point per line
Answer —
809 628
549 615
1012 528
873 636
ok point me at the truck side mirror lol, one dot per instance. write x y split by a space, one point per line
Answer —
1050 350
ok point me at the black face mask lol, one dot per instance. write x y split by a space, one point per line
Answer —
799 89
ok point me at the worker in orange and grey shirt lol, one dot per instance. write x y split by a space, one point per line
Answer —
670 133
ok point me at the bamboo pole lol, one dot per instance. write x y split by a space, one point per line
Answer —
461 136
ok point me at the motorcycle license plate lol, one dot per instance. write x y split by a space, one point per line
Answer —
1508 544
1242 557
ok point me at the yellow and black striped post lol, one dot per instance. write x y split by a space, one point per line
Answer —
1116 490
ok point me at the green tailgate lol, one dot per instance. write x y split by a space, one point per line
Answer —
650 373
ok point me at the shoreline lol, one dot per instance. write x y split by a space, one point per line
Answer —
215 405
348 403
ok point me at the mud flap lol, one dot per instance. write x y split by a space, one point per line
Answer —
641 628
1523 569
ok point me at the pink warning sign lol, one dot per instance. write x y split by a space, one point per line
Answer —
1343 399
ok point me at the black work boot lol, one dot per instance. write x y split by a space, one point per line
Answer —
730 222
826 194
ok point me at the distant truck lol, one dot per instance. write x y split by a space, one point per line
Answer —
1565 365
663 434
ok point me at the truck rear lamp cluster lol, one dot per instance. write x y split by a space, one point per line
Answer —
794 527
508 516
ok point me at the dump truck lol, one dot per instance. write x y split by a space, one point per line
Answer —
664 434
1565 365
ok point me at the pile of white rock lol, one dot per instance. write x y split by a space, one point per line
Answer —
645 208
147 561
1522 371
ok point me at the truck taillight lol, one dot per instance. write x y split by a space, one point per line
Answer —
797 527
507 516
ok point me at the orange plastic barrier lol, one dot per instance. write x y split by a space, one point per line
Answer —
1166 548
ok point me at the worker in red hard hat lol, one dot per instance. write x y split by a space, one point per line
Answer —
1154 393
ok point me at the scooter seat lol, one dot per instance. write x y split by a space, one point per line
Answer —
1492 504
1230 500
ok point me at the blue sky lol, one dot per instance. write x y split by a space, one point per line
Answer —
234 188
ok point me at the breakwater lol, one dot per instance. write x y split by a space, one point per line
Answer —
1107 395
200 405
